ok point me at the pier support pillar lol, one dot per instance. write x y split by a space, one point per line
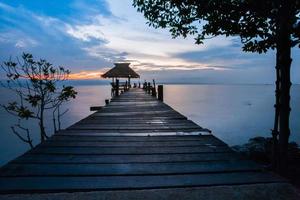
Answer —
160 92
117 87
149 88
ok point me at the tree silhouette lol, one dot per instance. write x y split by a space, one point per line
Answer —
261 25
36 84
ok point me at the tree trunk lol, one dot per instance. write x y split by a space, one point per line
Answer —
284 114
284 64
275 131
41 123
42 131
58 118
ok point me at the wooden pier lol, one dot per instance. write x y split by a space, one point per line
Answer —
134 143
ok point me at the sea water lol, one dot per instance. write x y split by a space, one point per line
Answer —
234 113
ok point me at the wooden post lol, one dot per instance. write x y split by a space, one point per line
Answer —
149 88
113 88
117 87
160 91
126 86
129 84
154 89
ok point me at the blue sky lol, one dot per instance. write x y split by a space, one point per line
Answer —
88 36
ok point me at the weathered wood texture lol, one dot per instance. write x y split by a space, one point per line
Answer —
135 142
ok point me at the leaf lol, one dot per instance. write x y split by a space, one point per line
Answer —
34 100
24 112
254 20
50 87
12 106
67 93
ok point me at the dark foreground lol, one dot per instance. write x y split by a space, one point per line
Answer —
138 147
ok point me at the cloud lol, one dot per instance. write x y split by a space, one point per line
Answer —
44 36
127 37
110 55
17 40
86 33
231 55
97 33
140 66
85 75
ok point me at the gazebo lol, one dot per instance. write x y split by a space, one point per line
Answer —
121 70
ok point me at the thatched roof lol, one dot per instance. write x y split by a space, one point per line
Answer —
121 70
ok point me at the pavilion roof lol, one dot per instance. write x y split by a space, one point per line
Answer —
121 70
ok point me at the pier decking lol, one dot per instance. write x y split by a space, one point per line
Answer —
135 142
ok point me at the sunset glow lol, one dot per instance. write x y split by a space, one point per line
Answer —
86 75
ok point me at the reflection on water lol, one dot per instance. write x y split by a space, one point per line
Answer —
11 146
234 113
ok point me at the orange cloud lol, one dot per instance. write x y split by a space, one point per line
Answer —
83 75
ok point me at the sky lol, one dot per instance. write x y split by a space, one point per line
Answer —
88 36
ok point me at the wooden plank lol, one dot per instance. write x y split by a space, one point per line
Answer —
200 139
133 126
146 127
128 150
127 169
137 121
83 137
132 132
59 184
131 144
139 125
95 108
150 158
135 109
133 122
139 115
133 118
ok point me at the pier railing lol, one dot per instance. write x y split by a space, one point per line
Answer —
151 89
120 87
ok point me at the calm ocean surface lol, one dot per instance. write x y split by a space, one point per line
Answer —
234 113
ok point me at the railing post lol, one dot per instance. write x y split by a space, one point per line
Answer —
117 87
149 88
154 91
160 91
